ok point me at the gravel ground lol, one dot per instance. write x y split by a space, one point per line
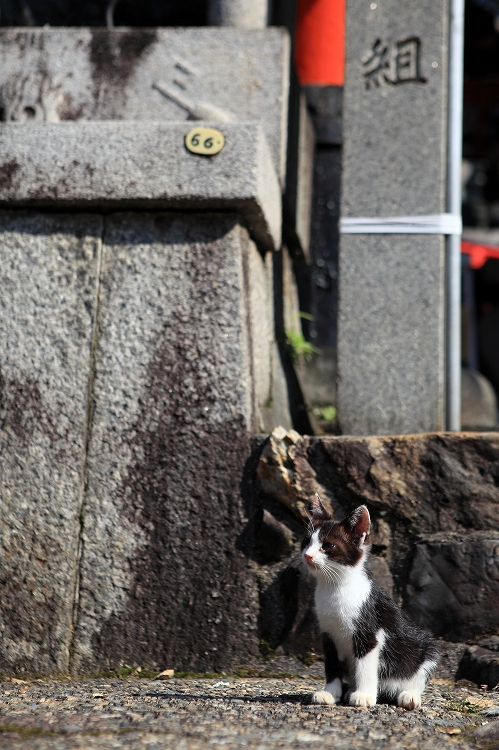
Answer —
226 712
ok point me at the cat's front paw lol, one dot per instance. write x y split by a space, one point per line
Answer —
361 699
323 697
409 700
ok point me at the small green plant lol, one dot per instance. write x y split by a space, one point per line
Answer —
326 413
309 658
462 705
26 731
298 348
266 650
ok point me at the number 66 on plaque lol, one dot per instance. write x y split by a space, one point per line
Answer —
206 141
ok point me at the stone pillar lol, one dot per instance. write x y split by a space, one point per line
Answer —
241 14
391 287
137 343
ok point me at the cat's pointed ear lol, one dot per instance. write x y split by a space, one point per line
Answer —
358 525
319 513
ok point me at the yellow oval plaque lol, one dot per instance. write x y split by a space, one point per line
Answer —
205 141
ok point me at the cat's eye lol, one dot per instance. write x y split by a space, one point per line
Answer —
326 546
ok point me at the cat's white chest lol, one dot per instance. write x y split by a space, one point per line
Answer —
339 607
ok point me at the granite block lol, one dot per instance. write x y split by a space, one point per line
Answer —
140 164
394 108
164 579
391 360
391 334
79 74
48 277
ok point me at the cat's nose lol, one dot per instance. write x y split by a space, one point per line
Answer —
309 558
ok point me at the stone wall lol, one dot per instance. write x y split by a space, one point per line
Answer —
434 501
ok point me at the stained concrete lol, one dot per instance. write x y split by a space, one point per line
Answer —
164 578
48 277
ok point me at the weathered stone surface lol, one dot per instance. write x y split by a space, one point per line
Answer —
453 584
395 123
273 539
241 74
436 482
434 503
391 334
391 301
137 165
285 474
270 388
488 735
48 277
481 666
164 579
299 179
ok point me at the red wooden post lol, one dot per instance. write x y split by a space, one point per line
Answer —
320 42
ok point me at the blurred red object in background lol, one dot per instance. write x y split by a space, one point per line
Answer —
320 42
479 254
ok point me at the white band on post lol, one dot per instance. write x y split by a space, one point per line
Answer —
449 224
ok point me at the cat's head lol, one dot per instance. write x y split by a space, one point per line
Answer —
335 545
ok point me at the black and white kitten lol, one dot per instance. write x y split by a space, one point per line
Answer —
368 641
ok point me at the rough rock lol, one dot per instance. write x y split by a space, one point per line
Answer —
381 572
434 504
488 734
480 666
491 643
285 474
453 584
272 538
434 482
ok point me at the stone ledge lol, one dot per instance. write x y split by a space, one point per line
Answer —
130 165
